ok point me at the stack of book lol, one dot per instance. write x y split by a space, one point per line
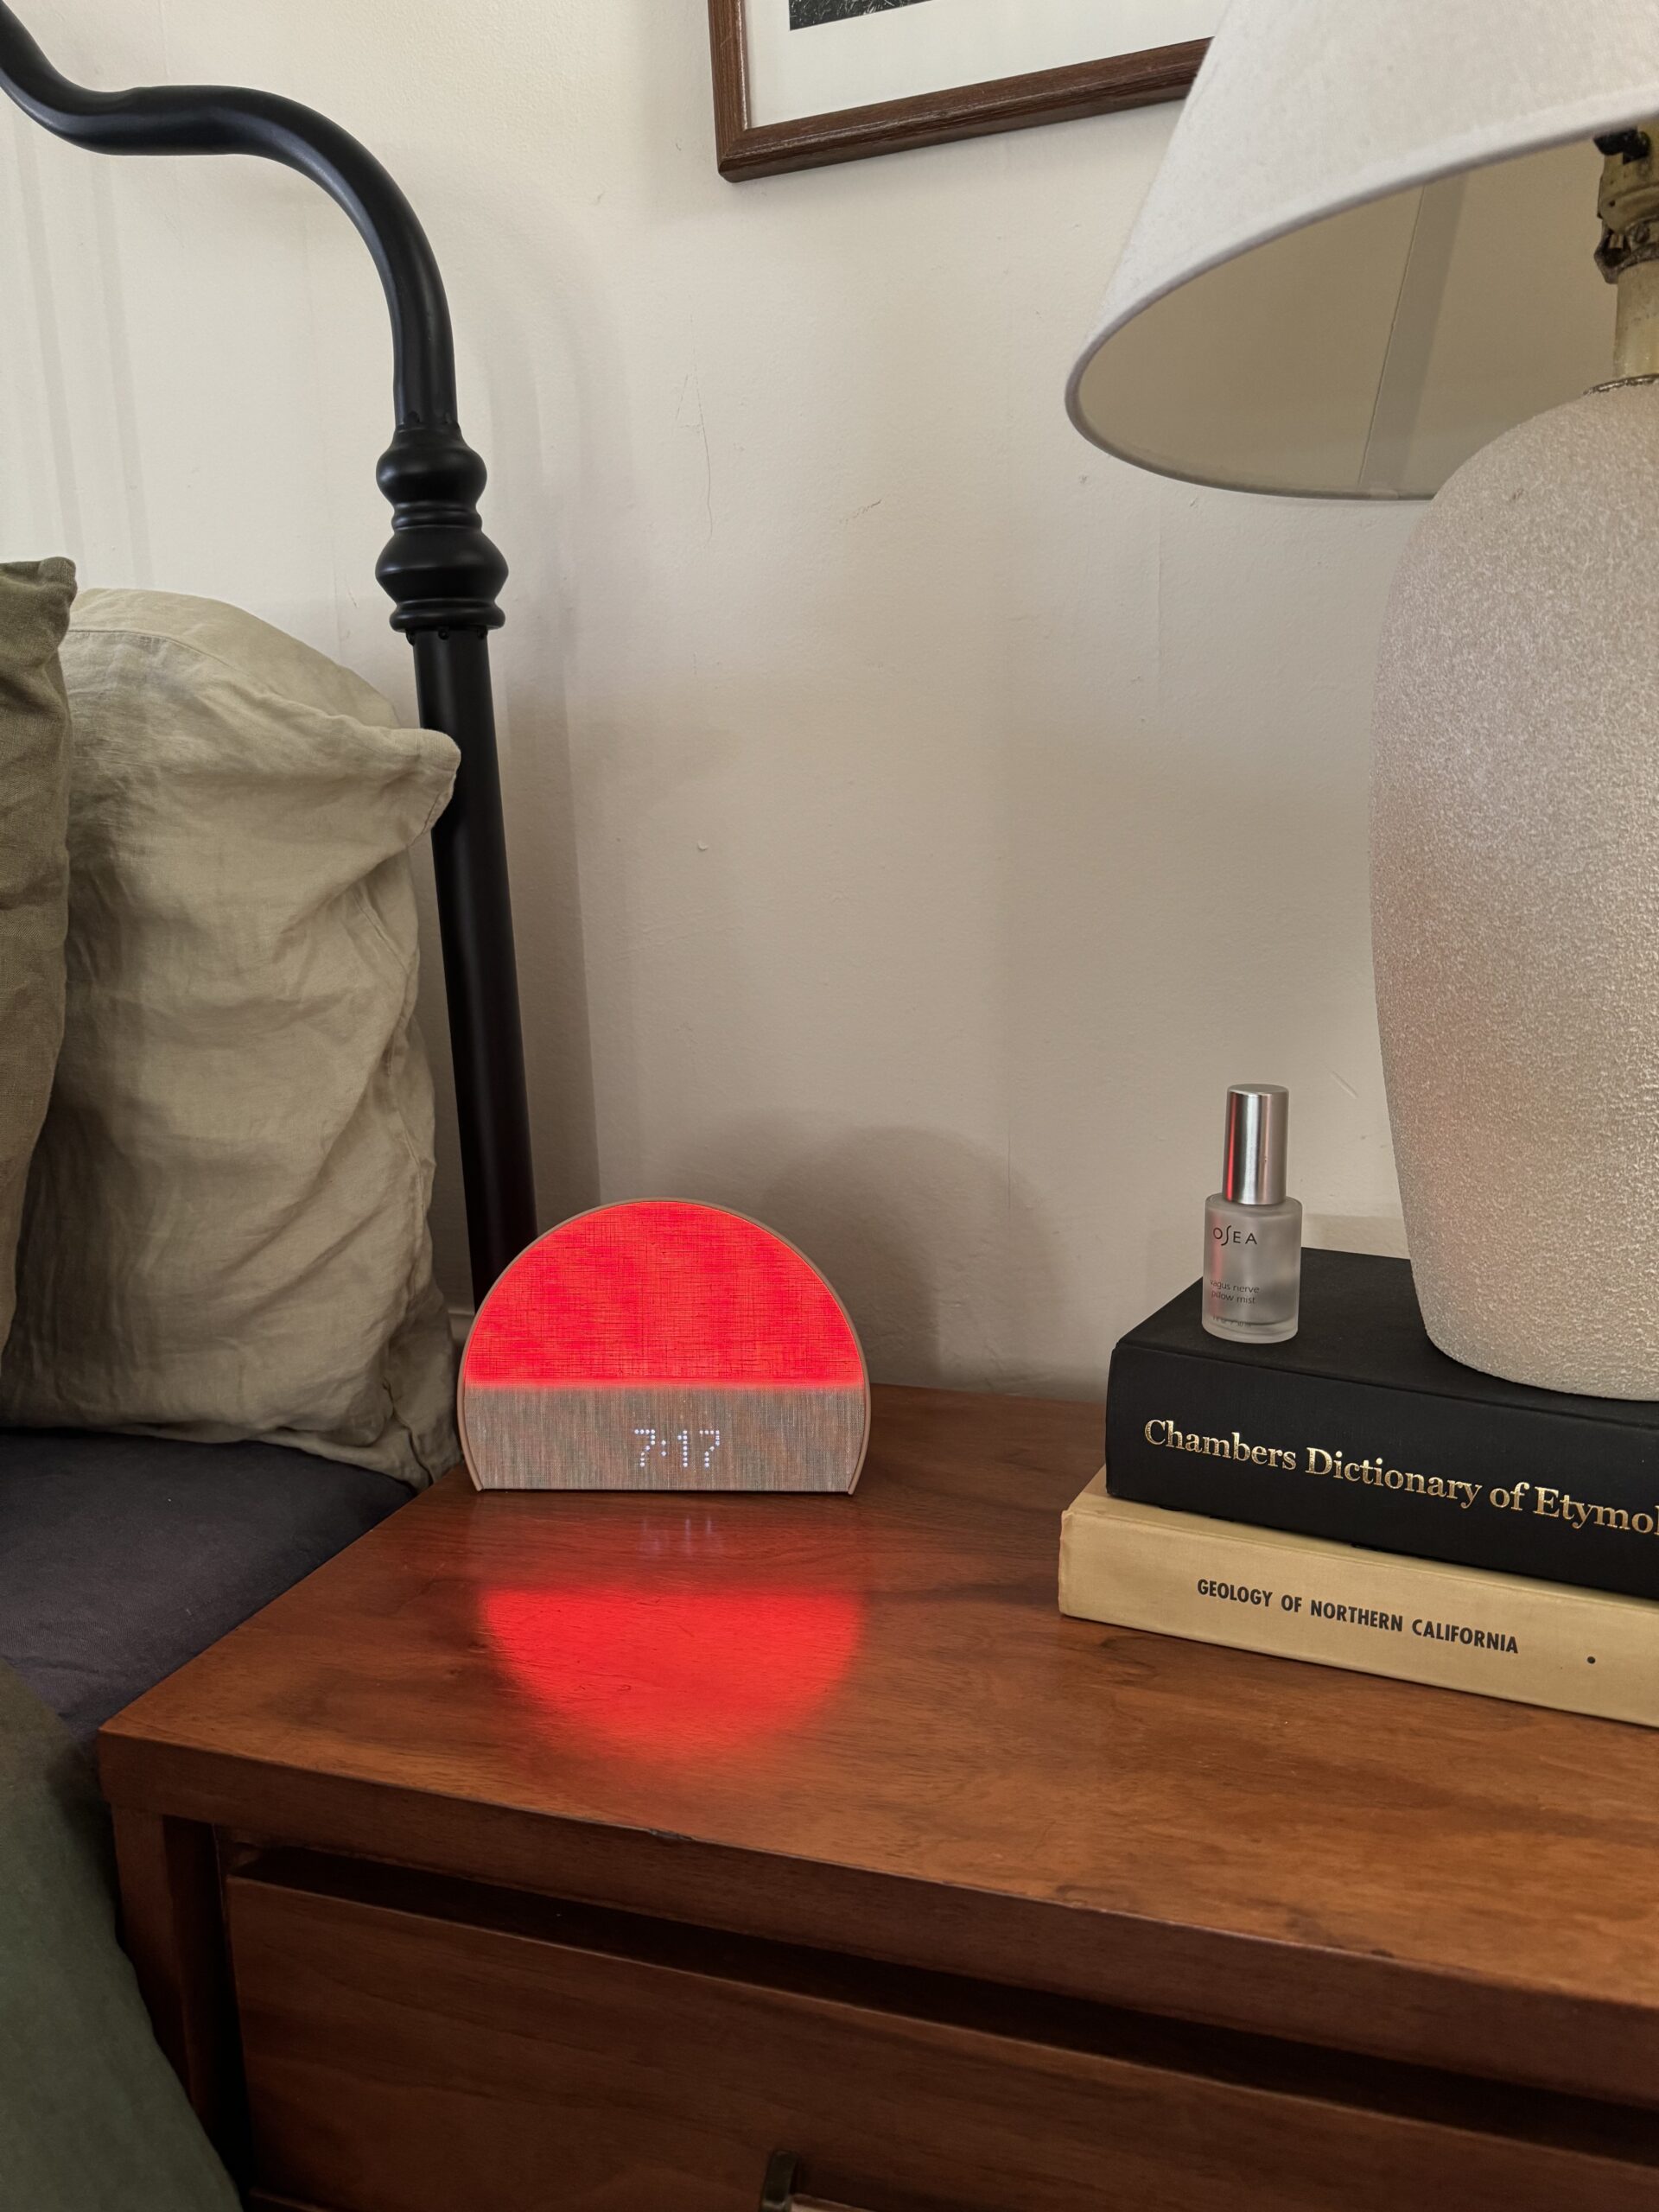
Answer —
1355 1498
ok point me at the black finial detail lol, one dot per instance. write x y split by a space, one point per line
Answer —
1631 145
439 568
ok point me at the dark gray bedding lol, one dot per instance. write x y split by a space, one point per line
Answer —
122 1556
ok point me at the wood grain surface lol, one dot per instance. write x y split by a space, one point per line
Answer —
860 1723
499 2067
744 147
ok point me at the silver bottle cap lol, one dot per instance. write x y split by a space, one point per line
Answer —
1253 1166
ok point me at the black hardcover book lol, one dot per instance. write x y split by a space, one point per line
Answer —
1359 1429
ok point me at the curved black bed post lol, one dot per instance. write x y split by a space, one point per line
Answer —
440 569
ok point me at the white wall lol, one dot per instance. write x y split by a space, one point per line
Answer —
916 818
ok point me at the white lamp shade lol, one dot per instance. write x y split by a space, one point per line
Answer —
1370 248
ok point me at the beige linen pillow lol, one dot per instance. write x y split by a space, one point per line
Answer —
225 1230
35 600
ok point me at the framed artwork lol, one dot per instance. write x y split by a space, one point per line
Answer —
802 82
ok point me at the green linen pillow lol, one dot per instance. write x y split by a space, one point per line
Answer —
34 601
91 2116
225 1229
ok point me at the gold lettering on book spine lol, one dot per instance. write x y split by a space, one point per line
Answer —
1375 1471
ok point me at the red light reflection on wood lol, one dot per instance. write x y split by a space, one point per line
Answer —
674 1675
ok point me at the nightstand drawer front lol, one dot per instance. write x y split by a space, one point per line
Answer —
400 2063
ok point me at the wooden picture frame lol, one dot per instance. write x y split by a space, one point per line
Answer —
744 148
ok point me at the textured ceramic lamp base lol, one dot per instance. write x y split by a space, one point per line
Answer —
1514 858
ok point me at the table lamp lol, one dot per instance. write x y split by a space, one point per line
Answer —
1413 252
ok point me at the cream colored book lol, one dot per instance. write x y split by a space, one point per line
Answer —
1372 1612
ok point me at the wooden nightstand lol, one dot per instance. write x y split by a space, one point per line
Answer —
582 1852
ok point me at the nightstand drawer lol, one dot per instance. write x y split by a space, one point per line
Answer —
418 2047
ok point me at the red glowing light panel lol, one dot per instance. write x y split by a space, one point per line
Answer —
663 1345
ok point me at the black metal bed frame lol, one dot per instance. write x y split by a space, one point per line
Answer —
441 571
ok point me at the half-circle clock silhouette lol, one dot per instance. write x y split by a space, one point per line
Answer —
663 1344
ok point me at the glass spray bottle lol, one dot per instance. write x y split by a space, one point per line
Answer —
1252 1231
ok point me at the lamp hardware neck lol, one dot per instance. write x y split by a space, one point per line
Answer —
1628 203
1628 255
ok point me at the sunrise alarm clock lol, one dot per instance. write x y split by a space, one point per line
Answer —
662 1344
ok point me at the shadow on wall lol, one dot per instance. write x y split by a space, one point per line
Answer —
1175 1255
1384 1234
536 382
933 1244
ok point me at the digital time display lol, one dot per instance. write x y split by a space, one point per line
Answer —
660 1450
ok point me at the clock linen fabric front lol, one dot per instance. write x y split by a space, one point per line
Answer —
662 1344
